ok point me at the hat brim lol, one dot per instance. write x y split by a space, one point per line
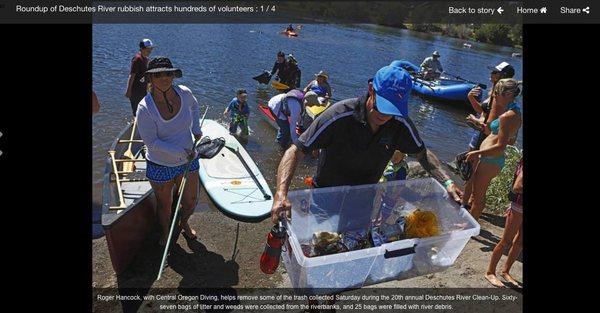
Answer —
177 71
384 106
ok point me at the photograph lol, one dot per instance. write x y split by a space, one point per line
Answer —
319 158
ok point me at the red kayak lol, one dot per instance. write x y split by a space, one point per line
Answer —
267 115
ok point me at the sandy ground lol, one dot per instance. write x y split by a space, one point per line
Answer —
210 262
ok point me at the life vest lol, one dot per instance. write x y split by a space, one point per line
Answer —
321 91
296 94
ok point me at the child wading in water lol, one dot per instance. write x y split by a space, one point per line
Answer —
238 112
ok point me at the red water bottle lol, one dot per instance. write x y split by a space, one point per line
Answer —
269 260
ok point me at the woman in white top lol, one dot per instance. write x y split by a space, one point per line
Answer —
168 121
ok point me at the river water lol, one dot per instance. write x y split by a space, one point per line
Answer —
217 59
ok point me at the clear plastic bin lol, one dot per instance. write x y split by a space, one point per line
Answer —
345 208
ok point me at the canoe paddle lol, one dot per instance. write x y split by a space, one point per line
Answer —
263 78
233 146
482 86
181 187
129 166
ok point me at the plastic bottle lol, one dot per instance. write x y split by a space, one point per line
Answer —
269 260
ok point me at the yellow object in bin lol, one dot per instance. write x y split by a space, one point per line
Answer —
421 224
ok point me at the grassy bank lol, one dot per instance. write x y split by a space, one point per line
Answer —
498 34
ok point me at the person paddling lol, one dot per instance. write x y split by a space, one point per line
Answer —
320 86
432 67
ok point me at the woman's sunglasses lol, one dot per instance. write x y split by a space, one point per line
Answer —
161 74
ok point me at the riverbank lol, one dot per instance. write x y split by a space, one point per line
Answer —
498 34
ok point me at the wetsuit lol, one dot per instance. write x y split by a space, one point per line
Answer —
295 75
284 72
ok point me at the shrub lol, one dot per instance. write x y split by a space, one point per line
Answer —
496 198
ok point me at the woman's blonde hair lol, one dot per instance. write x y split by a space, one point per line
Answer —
508 85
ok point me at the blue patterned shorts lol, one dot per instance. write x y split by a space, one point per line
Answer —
161 174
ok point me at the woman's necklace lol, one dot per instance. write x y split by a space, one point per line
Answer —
164 93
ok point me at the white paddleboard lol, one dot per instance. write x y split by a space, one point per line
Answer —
229 184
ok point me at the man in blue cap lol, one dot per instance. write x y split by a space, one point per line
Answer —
357 137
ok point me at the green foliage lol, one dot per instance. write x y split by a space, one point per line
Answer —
516 34
496 198
494 33
461 31
425 28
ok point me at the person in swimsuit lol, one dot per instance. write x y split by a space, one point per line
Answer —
513 233
488 161
484 109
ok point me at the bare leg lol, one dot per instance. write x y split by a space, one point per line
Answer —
482 177
468 194
511 227
164 200
513 253
189 201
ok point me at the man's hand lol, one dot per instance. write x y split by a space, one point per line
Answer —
281 205
455 192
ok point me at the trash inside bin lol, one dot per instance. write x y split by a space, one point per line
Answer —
346 214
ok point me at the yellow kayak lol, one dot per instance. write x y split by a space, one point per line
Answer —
315 110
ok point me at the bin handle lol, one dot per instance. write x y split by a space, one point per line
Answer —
400 252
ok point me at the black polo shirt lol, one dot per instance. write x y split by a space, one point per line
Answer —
351 153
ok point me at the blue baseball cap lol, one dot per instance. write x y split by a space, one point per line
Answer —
392 88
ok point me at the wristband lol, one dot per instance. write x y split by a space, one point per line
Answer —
448 183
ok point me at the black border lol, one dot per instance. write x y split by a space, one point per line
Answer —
46 161
45 117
